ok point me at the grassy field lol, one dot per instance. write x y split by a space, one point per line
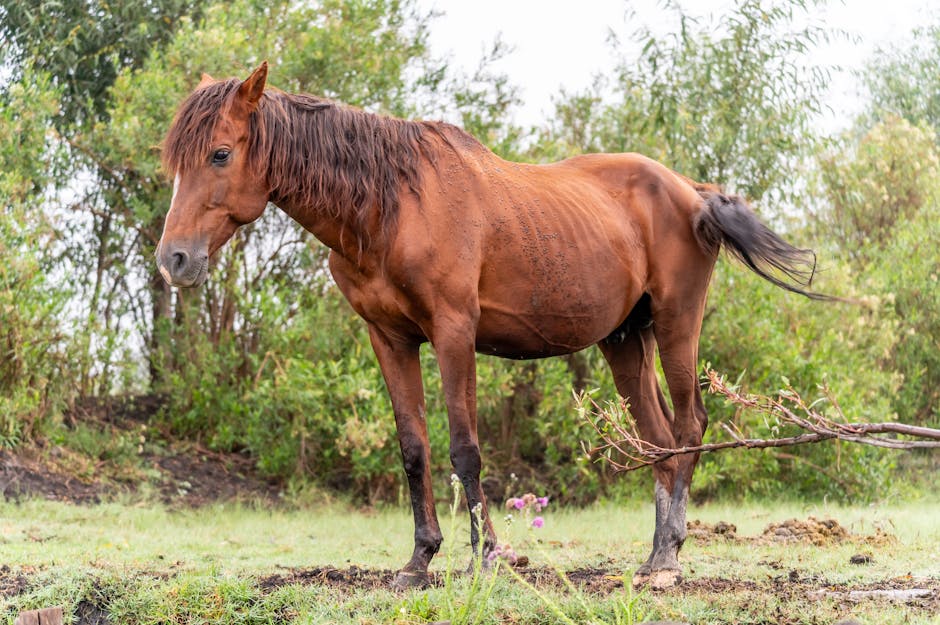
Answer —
235 564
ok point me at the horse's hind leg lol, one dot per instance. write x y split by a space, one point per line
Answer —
677 326
631 359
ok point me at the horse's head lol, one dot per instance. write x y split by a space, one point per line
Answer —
217 186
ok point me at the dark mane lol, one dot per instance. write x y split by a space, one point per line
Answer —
321 155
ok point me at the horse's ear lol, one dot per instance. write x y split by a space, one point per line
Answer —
205 81
249 92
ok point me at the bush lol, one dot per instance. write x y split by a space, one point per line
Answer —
769 339
32 301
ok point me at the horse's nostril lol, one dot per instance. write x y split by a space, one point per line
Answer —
179 260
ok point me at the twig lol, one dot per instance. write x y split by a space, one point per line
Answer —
788 407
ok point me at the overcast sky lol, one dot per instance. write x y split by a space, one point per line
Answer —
564 42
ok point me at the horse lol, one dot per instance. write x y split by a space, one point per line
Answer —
435 239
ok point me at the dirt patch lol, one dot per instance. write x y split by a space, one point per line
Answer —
26 474
87 613
589 579
196 479
352 578
12 582
923 593
188 478
181 475
818 532
708 532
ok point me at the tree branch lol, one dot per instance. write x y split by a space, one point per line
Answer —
619 432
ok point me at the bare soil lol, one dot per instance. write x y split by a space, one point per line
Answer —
598 581
180 474
819 532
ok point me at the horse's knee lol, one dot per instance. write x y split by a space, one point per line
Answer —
413 455
429 539
466 460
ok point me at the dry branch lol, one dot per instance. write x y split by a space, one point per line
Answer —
619 432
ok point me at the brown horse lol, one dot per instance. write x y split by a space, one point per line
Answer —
435 239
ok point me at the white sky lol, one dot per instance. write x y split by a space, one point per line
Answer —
564 42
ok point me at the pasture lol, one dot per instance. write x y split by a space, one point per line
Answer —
126 563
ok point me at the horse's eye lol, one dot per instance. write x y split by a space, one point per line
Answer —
220 157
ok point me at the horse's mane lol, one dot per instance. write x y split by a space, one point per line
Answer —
322 155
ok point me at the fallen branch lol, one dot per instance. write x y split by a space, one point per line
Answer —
619 432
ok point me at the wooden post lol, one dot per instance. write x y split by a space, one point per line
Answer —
46 616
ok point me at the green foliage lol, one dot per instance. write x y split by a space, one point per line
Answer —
83 45
908 273
881 187
33 340
872 183
731 103
776 339
903 81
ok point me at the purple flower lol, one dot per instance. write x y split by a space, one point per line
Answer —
542 501
503 552
511 503
519 504
538 522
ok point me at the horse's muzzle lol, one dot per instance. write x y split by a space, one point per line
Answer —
181 267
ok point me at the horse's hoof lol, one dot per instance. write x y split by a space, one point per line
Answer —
665 579
640 579
407 580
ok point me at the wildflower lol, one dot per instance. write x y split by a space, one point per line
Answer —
542 501
511 503
503 552
518 504
528 499
538 522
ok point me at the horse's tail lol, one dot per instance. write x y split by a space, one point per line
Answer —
729 221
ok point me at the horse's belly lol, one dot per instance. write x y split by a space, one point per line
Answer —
541 331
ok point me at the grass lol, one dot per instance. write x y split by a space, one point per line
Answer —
154 565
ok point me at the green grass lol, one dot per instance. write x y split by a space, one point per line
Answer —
153 565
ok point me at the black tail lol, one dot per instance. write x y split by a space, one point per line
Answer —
728 220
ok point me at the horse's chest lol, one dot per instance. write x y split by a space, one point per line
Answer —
375 298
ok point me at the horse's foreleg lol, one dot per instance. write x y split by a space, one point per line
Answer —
457 359
401 368
633 366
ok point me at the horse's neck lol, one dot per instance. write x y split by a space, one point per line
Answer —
343 236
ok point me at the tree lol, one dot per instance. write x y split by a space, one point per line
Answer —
870 185
903 81
33 340
731 103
